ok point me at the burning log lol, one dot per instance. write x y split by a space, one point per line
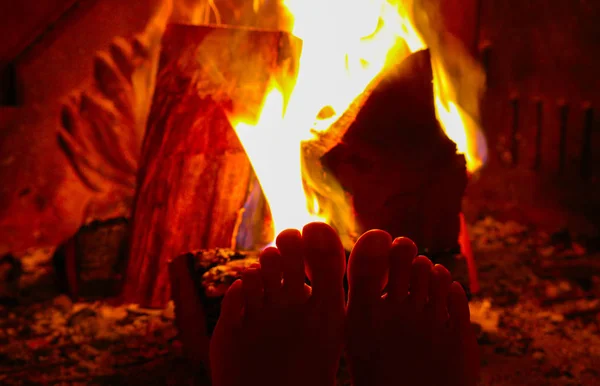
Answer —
194 174
403 172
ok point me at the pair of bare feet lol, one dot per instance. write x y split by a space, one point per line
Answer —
286 333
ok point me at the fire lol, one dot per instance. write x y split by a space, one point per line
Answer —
346 44
273 147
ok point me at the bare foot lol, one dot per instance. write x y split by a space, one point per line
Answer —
274 332
419 332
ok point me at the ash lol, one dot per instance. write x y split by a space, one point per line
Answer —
537 318
538 313
60 342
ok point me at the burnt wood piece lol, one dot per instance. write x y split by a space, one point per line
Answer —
216 271
199 281
190 318
94 259
403 172
11 270
194 173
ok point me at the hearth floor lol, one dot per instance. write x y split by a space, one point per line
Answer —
532 330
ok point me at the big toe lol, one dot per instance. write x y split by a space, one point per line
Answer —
325 261
368 267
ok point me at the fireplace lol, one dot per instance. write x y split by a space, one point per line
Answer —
540 121
140 174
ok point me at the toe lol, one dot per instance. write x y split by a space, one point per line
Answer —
368 267
231 306
458 308
419 281
463 335
402 255
252 287
270 263
439 286
225 337
325 260
289 243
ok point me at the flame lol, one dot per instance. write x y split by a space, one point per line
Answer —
346 44
458 125
274 151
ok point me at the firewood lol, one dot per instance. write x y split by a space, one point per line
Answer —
403 172
194 173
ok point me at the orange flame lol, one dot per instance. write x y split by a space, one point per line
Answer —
346 44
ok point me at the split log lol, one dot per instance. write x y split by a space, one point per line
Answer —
194 173
403 172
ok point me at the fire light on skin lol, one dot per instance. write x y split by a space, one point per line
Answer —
345 46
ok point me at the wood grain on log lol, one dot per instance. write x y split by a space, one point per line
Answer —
194 173
403 172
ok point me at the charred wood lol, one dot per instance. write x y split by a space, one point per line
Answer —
93 261
199 281
403 172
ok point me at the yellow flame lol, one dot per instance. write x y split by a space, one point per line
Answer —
274 152
345 46
457 124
